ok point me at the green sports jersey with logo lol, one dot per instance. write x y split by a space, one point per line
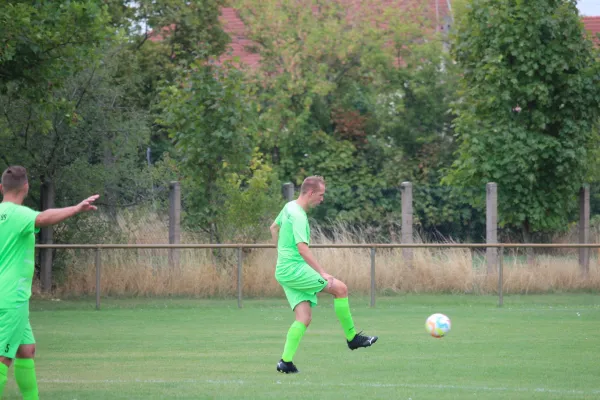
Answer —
293 229
17 250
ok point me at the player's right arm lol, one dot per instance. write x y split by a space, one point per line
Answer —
275 226
310 259
275 232
55 215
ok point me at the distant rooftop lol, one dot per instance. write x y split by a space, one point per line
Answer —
240 44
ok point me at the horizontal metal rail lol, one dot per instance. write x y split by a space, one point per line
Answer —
373 246
315 246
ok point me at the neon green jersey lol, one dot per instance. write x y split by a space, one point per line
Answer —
17 250
293 229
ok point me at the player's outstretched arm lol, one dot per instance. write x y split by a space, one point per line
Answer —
55 215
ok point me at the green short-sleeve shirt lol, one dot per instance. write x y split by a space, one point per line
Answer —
298 279
293 229
17 251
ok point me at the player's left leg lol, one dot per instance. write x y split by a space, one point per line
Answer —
301 292
303 315
3 373
25 366
13 323
296 332
339 290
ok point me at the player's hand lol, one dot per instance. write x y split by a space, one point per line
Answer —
328 278
88 204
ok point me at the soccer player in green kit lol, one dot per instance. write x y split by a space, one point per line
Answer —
18 225
302 277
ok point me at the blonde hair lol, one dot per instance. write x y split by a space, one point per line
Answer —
312 183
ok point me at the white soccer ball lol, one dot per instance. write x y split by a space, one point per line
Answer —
438 325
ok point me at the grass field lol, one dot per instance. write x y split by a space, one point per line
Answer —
536 347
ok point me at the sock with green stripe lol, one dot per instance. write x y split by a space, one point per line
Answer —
342 310
292 342
3 377
25 377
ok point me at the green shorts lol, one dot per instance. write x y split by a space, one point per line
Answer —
15 330
300 283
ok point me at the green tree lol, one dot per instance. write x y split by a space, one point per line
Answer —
42 46
44 43
251 198
162 36
91 145
327 77
78 87
209 116
528 110
411 106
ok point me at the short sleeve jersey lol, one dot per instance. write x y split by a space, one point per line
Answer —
17 250
293 229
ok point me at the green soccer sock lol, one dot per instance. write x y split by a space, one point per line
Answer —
25 377
3 377
293 340
342 310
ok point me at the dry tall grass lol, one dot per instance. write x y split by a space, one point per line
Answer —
202 274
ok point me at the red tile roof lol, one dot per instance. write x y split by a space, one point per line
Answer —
592 24
239 48
157 36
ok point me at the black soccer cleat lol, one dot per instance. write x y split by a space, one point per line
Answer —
361 341
286 367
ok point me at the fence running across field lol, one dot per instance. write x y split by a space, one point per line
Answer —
240 247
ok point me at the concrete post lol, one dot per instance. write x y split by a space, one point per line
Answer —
288 191
407 220
584 229
48 195
174 222
491 226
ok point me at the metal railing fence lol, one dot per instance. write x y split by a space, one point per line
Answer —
372 246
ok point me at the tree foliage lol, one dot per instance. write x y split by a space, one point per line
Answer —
209 115
528 110
43 43
91 142
163 36
79 81
353 93
250 197
359 92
